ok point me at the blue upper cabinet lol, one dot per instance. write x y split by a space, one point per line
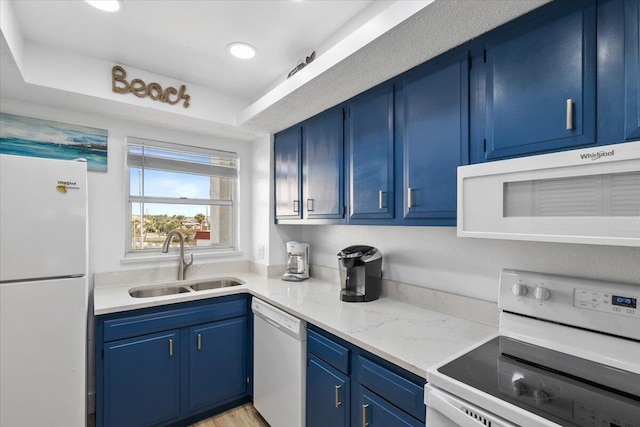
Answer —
287 161
618 71
434 125
323 167
370 152
540 84
632 69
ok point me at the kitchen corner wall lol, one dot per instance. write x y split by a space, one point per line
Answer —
434 257
107 192
265 234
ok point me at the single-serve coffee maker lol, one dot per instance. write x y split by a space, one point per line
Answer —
297 262
360 269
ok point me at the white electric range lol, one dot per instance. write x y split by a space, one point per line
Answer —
567 354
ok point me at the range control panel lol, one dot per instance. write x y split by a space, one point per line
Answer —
612 307
624 304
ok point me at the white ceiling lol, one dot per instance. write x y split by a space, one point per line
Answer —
187 39
49 49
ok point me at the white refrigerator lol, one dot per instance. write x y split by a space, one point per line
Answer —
43 292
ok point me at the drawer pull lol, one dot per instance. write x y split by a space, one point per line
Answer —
170 348
338 403
364 415
199 342
569 114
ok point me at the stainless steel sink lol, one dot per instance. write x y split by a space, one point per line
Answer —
214 284
158 292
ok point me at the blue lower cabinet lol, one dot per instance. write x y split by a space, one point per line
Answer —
141 380
328 395
218 362
348 386
174 364
373 411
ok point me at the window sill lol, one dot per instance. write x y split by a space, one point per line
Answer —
151 258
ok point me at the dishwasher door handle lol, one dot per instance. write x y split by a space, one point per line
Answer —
271 322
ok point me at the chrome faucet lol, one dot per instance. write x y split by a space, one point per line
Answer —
182 266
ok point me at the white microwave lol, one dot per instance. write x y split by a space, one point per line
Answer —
580 196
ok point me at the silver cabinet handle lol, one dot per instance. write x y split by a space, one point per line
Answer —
569 114
380 199
409 197
295 206
170 348
364 415
310 205
338 403
199 342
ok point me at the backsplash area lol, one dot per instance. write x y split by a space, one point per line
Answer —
457 305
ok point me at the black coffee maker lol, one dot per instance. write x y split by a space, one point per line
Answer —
360 269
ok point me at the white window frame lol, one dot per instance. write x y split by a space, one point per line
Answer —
130 200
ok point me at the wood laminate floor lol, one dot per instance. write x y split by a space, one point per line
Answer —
242 416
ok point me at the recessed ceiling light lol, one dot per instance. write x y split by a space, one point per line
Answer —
106 5
242 50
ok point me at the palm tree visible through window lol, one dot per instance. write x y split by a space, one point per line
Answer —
180 187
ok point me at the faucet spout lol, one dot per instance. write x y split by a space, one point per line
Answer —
182 265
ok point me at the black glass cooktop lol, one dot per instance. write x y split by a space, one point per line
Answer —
565 389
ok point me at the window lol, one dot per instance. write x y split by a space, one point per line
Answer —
180 187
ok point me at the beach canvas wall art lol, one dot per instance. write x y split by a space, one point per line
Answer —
28 136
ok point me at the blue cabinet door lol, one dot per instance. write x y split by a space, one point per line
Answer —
371 144
540 85
218 362
435 137
373 411
141 380
287 158
632 69
328 395
323 166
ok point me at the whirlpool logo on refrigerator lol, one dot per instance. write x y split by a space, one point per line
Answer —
64 186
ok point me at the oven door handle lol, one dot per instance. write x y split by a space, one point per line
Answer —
451 408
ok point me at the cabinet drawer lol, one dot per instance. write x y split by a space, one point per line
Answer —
171 317
329 351
403 393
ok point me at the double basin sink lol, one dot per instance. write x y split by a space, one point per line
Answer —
183 289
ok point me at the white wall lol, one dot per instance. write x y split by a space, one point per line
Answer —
265 233
434 257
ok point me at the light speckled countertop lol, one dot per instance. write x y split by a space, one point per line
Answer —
409 336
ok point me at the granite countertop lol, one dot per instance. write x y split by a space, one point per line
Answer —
409 336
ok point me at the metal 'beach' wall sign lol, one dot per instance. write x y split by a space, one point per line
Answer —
153 90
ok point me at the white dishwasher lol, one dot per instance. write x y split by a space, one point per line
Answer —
279 368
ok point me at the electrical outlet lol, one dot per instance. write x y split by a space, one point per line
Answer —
260 251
